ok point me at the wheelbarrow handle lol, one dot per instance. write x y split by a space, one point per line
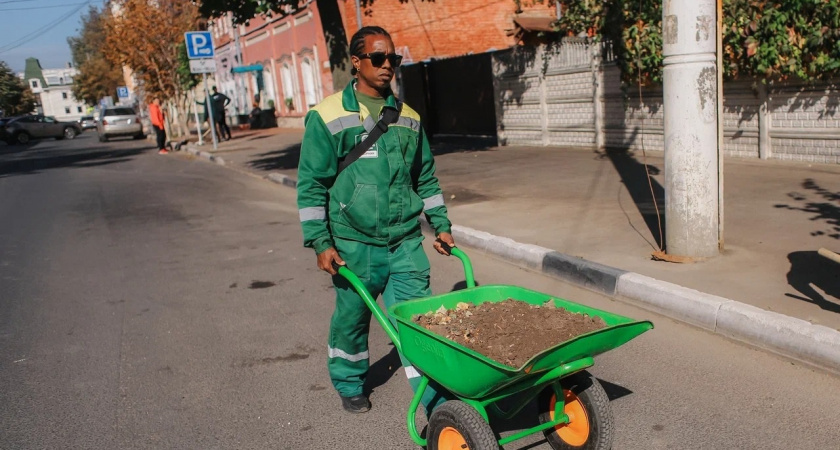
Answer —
370 302
469 277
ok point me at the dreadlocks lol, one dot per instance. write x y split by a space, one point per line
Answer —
357 42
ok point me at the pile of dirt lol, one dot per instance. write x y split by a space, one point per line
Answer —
511 331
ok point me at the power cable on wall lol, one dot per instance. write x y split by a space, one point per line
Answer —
429 38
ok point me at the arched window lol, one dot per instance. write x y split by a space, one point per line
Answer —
287 78
309 91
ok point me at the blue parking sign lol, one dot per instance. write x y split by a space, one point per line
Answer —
199 44
122 92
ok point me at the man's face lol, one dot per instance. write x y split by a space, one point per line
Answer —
376 77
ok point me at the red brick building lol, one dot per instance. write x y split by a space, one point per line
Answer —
441 28
284 60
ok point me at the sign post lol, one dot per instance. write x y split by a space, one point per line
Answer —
200 51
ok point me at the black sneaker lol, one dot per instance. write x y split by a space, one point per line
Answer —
356 404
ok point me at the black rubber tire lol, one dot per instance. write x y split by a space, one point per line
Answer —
596 404
70 133
22 138
464 418
137 137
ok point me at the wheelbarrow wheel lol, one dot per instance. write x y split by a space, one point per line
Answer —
456 425
588 408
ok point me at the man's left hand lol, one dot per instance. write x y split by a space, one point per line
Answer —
445 237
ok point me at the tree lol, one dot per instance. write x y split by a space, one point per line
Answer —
98 77
763 39
148 37
15 96
331 24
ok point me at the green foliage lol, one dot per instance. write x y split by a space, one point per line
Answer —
186 78
15 96
770 40
778 40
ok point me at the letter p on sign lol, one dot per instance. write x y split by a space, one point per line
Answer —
199 44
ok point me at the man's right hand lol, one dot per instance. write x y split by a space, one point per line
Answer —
326 258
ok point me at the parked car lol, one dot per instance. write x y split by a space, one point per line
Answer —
87 122
119 121
20 130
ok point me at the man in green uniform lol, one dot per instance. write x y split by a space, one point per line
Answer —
367 217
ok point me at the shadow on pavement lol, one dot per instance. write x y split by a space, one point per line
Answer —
44 160
383 370
826 210
639 186
286 158
808 272
442 145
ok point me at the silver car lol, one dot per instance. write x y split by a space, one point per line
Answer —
20 130
119 121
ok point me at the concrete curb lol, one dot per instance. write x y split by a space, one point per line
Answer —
206 155
784 335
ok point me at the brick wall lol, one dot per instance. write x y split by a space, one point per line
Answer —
548 98
439 28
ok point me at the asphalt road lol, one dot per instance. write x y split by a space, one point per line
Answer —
154 301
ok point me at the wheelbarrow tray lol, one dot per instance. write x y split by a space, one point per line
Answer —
471 375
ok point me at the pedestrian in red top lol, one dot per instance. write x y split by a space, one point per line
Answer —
156 115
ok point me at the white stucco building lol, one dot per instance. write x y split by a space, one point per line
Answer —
53 91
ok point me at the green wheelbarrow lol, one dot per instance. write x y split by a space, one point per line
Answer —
574 410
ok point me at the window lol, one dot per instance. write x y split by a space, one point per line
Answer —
35 84
78 109
288 87
66 110
64 95
308 82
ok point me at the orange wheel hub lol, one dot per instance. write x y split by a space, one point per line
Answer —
576 432
451 439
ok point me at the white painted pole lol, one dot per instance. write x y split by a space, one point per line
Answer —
210 110
359 14
691 127
197 120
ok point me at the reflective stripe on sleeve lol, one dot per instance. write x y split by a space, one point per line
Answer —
432 202
411 372
338 353
313 213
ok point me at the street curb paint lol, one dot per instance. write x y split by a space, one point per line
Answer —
591 275
279 178
784 335
681 303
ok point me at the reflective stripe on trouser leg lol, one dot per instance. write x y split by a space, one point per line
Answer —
409 280
348 343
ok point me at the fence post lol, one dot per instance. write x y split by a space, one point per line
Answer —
765 149
598 93
541 58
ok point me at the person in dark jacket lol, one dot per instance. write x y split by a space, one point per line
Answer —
220 102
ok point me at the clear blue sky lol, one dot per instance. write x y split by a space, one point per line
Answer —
39 29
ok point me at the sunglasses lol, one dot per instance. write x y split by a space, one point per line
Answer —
378 58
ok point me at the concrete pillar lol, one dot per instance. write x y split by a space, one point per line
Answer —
690 107
546 141
765 148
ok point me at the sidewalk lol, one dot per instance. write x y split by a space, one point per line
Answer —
561 204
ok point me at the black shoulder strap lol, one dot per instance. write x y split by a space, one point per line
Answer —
389 116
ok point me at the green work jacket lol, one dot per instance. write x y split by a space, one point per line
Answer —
379 198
